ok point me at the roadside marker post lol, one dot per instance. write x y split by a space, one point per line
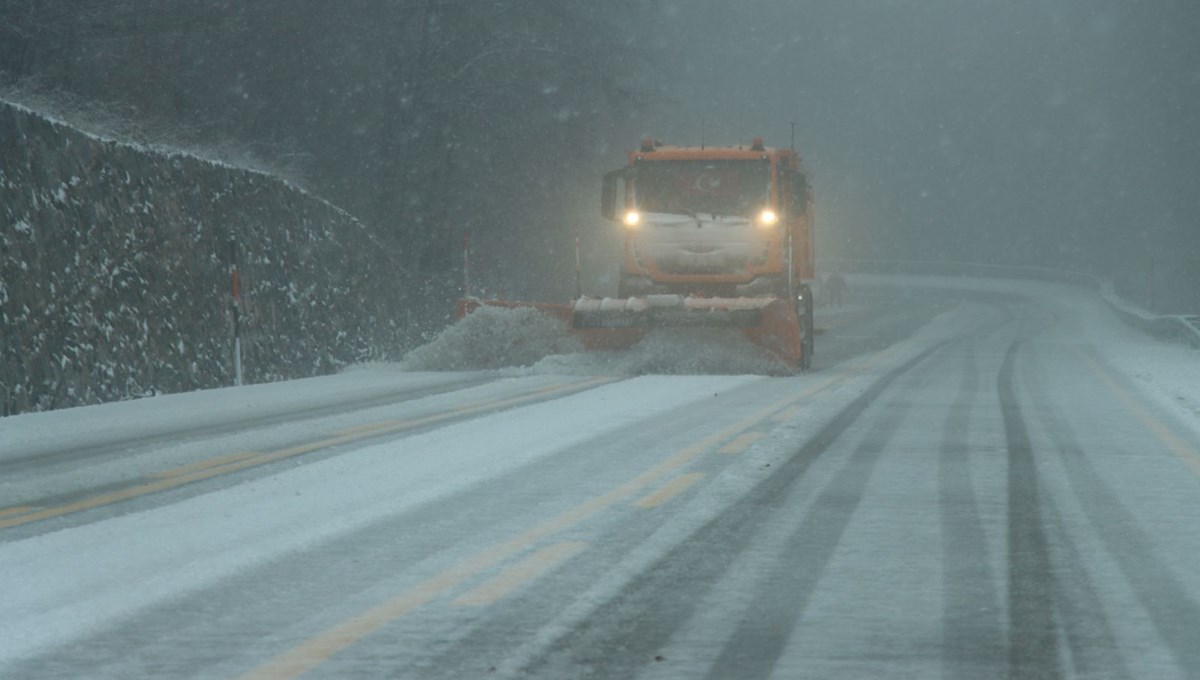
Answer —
466 264
237 326
578 272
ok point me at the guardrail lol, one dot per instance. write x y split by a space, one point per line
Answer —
1181 328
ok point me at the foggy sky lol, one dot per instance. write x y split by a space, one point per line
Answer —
1053 133
1040 132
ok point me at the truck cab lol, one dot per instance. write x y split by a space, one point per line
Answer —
712 221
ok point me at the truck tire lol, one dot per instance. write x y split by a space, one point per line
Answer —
804 309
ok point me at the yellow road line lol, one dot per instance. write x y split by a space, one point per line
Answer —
215 467
470 407
18 510
520 573
166 483
742 442
368 427
204 464
1180 448
103 499
316 650
787 414
669 490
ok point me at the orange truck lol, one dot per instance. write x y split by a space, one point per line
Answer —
714 237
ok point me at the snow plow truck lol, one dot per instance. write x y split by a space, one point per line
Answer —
714 237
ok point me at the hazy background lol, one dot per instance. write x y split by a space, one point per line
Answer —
1057 133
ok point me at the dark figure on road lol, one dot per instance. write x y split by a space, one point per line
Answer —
837 286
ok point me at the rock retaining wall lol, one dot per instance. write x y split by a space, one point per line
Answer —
114 273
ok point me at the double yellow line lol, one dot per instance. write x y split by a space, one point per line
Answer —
318 649
1174 443
213 467
735 439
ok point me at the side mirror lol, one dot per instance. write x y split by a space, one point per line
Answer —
608 194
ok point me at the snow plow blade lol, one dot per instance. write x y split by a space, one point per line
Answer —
613 324
771 323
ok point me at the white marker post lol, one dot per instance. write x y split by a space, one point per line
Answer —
237 326
466 264
578 273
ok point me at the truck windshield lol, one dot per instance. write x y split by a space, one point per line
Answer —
730 188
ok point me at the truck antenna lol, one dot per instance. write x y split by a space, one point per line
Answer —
793 135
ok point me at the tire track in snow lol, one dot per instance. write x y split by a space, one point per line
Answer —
784 593
972 630
642 618
1032 634
1172 610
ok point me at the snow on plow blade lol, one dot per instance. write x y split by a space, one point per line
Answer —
613 324
771 323
669 311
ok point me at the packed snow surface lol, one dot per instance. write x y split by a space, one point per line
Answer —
1165 372
293 510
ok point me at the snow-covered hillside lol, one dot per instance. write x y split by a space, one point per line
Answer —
114 272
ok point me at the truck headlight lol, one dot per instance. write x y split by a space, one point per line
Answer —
632 218
768 218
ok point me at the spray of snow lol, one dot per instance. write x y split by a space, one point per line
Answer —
493 337
524 341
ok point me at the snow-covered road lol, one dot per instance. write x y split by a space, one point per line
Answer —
981 479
